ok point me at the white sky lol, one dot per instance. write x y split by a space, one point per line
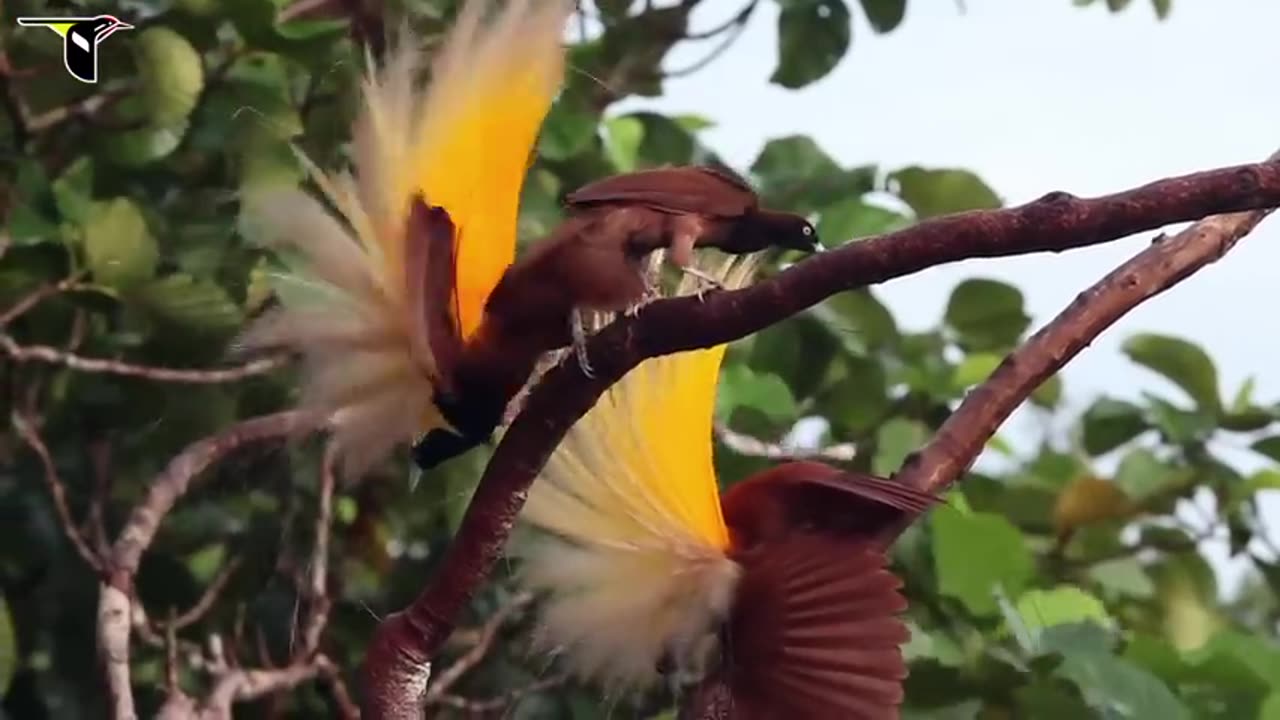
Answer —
1039 95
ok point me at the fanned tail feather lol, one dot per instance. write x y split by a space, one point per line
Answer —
815 633
354 301
632 549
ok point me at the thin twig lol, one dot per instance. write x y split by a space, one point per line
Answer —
26 429
505 700
208 597
115 602
452 674
755 447
45 353
35 297
318 602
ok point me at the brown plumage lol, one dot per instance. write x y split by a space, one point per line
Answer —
680 208
593 260
814 632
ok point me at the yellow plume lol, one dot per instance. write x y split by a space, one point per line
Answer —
632 548
465 141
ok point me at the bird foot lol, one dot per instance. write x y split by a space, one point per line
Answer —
651 293
706 282
579 331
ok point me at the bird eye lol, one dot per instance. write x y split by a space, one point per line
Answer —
807 230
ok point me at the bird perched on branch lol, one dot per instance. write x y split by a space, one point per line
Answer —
645 565
595 259
438 170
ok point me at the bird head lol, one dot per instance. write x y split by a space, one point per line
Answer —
788 230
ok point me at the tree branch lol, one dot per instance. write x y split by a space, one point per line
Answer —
476 654
1164 264
755 447
115 611
397 663
52 355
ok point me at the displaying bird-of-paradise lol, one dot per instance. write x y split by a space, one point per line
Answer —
643 564
437 173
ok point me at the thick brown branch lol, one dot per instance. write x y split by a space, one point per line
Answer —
1164 264
398 659
45 353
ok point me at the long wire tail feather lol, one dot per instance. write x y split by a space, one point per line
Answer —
815 633
354 303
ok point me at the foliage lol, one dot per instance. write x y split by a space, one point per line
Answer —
1059 584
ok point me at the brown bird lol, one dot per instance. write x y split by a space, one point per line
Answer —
596 256
646 564
594 260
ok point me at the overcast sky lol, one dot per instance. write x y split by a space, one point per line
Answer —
1039 95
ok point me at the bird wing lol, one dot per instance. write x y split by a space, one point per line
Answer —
353 305
694 189
631 548
815 632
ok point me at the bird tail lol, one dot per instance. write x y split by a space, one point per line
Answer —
352 302
815 632
632 546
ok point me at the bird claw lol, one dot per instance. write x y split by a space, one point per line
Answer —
705 282
651 293
579 331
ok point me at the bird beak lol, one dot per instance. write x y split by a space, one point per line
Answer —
817 246
121 25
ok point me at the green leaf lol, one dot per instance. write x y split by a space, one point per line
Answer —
1110 423
569 128
1040 609
790 160
1049 394
623 136
1269 446
1179 426
1266 479
812 37
986 314
1162 8
1117 5
1120 689
171 73
852 218
895 440
740 386
119 249
977 553
1141 474
857 402
8 648
140 146
205 562
1270 709
1181 362
932 192
858 312
190 304
1123 576
975 368
884 15
73 190
664 141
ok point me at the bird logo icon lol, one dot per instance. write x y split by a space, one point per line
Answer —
80 39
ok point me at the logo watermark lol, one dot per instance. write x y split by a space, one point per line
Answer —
80 39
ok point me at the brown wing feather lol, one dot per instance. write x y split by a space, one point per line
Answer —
692 189
808 494
815 634
431 267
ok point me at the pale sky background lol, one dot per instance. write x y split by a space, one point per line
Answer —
1039 95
